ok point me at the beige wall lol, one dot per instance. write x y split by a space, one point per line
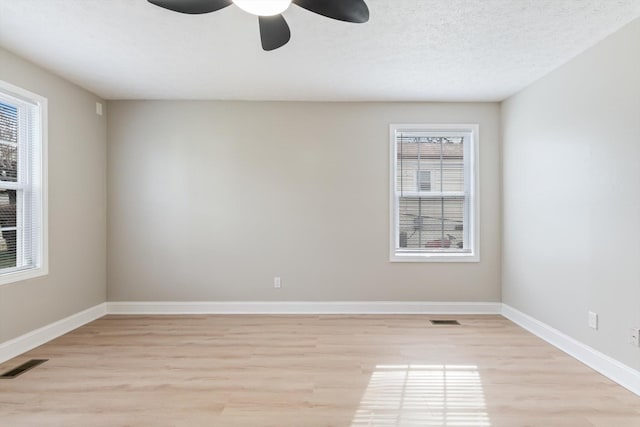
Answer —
211 200
77 206
571 180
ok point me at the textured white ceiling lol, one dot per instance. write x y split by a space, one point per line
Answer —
411 50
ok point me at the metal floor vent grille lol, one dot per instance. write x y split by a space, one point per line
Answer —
445 322
22 368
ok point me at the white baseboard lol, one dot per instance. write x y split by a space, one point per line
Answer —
607 366
302 307
30 340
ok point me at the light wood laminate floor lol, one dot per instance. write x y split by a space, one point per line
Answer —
299 371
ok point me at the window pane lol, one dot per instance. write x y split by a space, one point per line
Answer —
452 177
8 142
8 162
429 163
8 123
431 223
7 235
454 209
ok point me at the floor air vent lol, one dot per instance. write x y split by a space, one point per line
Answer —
22 368
445 322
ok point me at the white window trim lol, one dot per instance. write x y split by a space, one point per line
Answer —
473 222
42 104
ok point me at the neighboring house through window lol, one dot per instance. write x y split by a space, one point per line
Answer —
23 251
433 193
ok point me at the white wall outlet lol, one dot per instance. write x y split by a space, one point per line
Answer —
635 336
593 320
277 283
99 108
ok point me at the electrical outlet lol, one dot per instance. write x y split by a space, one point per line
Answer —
277 283
593 320
635 336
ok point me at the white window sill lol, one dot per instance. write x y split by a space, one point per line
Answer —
434 257
20 275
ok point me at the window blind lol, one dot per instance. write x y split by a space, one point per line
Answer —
432 192
21 234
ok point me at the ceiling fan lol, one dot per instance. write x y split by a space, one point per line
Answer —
274 31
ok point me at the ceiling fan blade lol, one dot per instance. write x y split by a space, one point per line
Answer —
355 11
193 7
274 31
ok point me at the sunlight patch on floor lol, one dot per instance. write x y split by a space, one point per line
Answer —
423 395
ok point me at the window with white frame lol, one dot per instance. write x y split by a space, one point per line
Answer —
434 193
23 251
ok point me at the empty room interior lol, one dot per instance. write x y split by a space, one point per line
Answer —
320 213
